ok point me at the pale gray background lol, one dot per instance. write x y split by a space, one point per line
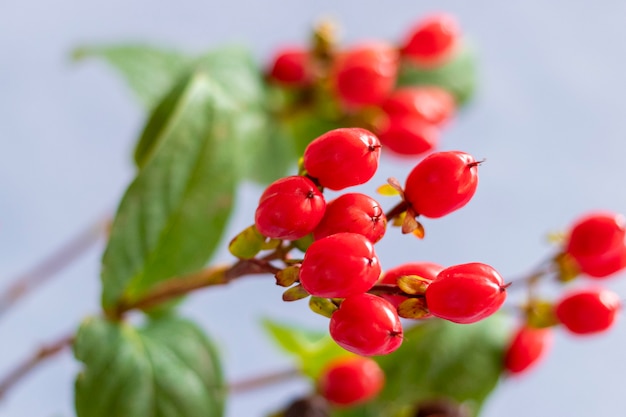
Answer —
550 118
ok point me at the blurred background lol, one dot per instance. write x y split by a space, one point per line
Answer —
549 117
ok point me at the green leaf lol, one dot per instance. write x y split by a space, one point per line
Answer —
439 359
265 151
166 369
149 71
173 214
306 126
311 349
458 76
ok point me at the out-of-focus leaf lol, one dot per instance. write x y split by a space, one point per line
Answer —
265 151
168 369
439 359
458 76
312 350
149 71
172 216
306 126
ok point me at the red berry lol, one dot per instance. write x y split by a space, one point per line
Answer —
431 104
426 270
406 135
432 41
339 266
528 346
291 67
343 157
466 293
596 242
442 183
290 208
352 380
366 325
588 311
365 74
355 213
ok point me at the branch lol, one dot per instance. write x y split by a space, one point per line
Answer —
178 286
42 354
261 381
54 263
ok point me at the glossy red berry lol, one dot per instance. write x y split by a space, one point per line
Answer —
433 40
352 380
342 157
527 348
290 208
355 213
339 266
406 135
596 243
366 325
588 311
291 66
365 74
442 183
431 104
466 293
426 270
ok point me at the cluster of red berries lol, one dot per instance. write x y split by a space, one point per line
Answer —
363 79
340 265
594 247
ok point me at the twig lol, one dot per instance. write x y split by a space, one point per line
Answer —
54 263
178 286
261 381
43 353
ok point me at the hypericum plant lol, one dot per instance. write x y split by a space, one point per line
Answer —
316 118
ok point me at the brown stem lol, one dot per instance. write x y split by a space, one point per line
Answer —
250 384
54 263
532 278
42 354
398 209
391 289
176 287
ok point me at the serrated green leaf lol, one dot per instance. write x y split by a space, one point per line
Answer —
149 71
439 359
173 214
167 369
458 76
311 349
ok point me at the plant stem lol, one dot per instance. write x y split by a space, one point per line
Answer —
45 352
47 268
261 381
397 210
178 286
